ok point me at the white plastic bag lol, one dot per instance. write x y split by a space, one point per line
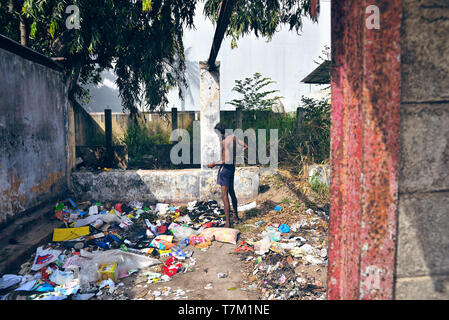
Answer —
61 278
184 219
313 260
87 221
110 218
9 280
272 234
136 204
247 207
180 232
191 205
125 262
106 218
93 210
161 209
302 251
263 246
44 257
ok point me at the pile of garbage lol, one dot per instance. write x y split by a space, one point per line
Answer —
287 261
104 243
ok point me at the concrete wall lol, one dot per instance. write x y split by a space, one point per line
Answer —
35 131
88 131
154 121
422 266
174 186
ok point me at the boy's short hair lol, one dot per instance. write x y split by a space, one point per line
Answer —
220 127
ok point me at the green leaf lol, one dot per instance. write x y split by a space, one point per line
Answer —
33 30
53 27
91 48
146 6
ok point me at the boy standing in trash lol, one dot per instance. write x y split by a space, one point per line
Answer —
226 172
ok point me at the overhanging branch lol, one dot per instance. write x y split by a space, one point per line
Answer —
224 16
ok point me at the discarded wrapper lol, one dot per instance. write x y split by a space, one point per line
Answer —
108 271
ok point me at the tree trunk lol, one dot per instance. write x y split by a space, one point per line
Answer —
23 32
71 78
12 7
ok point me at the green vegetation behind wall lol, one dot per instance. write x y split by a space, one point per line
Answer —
309 145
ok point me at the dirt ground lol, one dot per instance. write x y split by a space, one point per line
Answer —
201 282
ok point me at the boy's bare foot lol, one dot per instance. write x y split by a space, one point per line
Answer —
236 219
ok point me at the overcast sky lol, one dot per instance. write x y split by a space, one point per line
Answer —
287 59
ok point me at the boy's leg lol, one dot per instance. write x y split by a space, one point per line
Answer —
234 202
224 197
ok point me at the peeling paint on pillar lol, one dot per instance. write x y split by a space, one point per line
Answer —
365 136
346 150
210 114
382 99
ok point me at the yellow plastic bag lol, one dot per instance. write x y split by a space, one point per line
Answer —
69 233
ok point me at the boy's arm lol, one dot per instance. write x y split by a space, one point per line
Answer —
242 143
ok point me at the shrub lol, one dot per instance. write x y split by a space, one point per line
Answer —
142 143
254 96
318 186
311 144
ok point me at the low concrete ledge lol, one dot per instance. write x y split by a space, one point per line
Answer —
161 185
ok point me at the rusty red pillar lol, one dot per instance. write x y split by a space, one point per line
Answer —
366 82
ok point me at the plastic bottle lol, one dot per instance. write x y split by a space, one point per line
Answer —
184 243
177 252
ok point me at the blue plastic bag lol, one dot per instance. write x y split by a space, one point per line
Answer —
284 228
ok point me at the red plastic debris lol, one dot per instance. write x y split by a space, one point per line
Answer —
243 248
172 266
118 207
211 224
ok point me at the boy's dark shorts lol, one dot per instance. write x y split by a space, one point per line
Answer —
226 175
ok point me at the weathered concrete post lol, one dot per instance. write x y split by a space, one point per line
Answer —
239 125
299 119
108 134
210 113
174 118
239 118
174 122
